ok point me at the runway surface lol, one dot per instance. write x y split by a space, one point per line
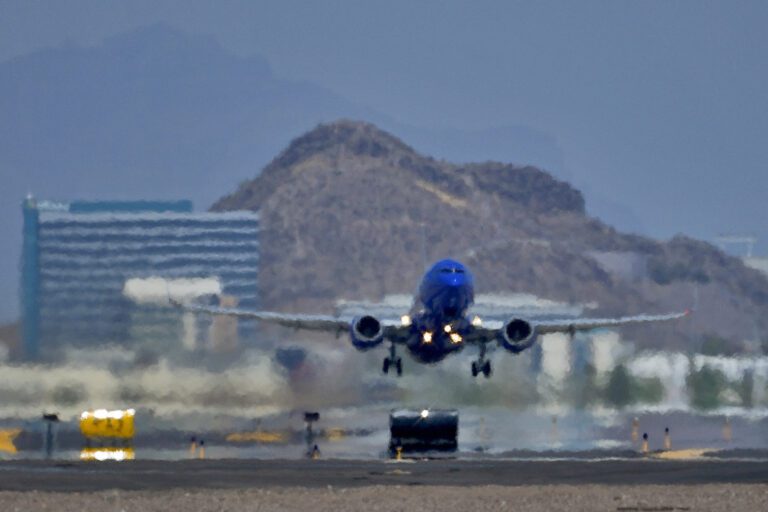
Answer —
244 474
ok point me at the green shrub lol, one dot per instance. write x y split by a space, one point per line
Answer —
705 386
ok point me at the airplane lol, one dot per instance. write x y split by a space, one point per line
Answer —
438 323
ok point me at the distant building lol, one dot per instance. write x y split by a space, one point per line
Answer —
760 264
88 268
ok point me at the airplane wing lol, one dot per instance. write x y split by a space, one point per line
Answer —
394 331
323 323
490 330
572 325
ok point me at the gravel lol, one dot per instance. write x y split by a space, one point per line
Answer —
649 498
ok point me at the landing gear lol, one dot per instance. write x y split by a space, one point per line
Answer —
482 365
397 362
392 360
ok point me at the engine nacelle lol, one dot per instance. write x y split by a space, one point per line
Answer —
517 335
366 332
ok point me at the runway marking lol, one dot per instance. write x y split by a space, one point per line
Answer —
662 508
689 454
259 436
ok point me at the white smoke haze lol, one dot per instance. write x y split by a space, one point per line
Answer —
671 368
184 393
606 350
185 385
733 367
158 290
96 381
556 365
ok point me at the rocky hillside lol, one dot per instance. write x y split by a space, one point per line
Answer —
348 211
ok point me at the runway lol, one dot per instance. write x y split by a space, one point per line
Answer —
245 474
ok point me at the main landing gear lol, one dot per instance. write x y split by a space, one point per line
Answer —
482 365
392 360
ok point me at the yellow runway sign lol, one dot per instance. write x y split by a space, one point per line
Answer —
104 423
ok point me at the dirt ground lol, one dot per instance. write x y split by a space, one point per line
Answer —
649 498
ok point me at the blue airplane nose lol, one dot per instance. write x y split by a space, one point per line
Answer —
454 280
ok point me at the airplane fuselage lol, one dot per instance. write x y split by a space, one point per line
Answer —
439 319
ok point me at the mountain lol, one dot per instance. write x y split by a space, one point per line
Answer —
347 210
158 113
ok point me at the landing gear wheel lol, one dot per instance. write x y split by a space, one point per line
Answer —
487 369
392 360
474 369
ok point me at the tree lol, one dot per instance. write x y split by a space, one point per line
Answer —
705 386
619 390
648 390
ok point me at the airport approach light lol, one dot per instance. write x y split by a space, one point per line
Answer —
427 337
405 320
447 328
455 337
477 321
425 413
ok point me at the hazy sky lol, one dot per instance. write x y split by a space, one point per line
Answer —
663 105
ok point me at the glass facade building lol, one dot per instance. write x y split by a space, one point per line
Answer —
78 257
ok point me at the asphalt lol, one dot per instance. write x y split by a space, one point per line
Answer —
244 474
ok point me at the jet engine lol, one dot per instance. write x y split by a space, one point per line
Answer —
517 335
366 332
